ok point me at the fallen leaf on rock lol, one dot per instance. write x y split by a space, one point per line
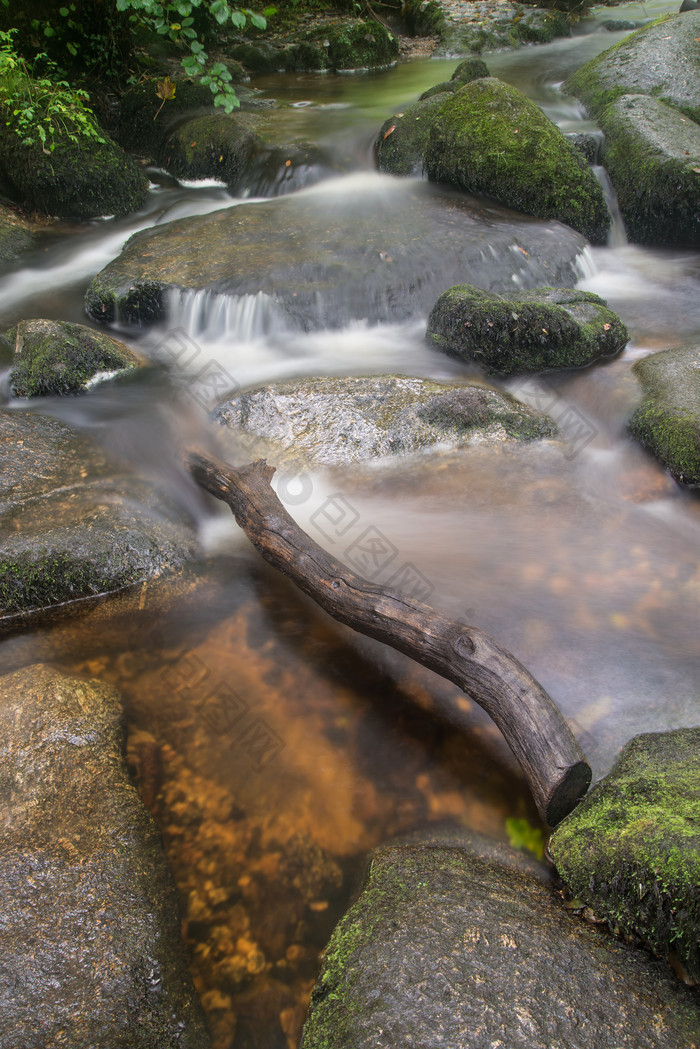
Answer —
387 133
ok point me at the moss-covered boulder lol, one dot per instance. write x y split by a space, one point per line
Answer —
652 154
90 949
631 850
260 56
488 138
667 421
216 145
361 45
78 180
145 120
403 139
374 248
525 331
56 357
468 70
354 419
74 524
459 942
661 60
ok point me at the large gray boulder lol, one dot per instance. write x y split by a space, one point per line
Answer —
660 60
534 331
90 951
652 154
57 357
332 421
667 422
369 248
459 943
488 138
631 849
74 525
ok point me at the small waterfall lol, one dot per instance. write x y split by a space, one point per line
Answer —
617 237
214 317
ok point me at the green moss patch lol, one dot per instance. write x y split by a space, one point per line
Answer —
488 138
213 146
525 332
668 420
56 357
402 140
631 850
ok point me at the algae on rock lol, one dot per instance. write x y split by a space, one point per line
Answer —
525 331
667 422
488 138
57 357
631 848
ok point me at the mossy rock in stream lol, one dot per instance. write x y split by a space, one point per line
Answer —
17 236
525 331
652 154
488 138
74 524
356 45
457 941
631 849
468 70
144 119
84 180
403 139
667 421
217 145
57 357
661 60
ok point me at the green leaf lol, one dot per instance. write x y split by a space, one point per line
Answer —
72 48
269 12
257 20
196 47
48 31
63 12
524 836
238 19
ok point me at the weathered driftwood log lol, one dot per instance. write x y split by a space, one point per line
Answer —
553 762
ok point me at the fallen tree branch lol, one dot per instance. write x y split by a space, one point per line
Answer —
533 726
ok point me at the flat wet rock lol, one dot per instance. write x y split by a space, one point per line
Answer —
89 925
368 248
463 944
74 527
330 421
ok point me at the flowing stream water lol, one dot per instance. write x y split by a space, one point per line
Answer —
582 561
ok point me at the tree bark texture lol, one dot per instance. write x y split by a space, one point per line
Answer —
554 765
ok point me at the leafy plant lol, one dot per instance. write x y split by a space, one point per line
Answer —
523 835
174 19
38 108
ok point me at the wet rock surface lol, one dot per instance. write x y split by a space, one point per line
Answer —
525 332
57 357
321 262
631 850
667 422
488 138
17 236
652 154
459 942
73 525
330 421
660 60
90 938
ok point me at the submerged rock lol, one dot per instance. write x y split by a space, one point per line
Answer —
89 923
17 236
353 419
652 154
667 421
57 357
660 60
525 331
75 181
72 526
358 247
458 942
488 138
631 849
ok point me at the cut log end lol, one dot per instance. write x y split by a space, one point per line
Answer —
571 788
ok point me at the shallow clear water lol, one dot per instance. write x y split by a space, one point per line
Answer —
581 558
